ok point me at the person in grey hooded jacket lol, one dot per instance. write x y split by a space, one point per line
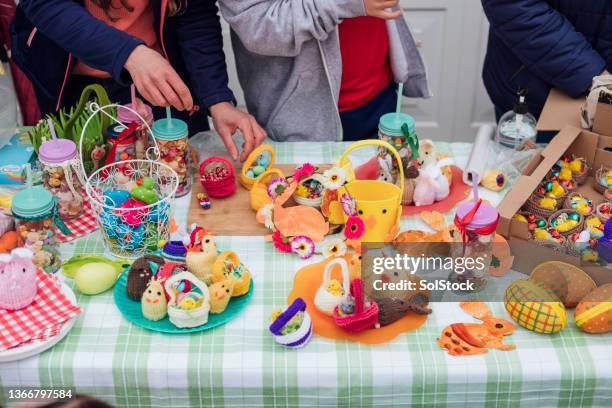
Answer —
289 61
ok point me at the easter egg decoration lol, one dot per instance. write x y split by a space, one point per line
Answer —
140 273
18 282
519 217
555 190
220 295
494 180
132 214
153 303
95 277
116 197
145 191
565 174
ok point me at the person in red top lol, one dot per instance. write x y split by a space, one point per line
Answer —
367 90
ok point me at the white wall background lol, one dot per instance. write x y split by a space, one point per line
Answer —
452 37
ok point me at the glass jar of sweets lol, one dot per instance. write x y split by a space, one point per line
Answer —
171 137
63 176
36 219
141 135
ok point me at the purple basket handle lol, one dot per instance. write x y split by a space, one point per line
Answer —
277 325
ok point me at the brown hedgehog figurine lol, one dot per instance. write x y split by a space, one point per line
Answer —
140 274
392 309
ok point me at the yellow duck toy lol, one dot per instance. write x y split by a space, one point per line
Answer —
556 190
582 208
575 166
201 254
565 174
548 203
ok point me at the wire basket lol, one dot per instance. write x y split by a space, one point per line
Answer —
132 200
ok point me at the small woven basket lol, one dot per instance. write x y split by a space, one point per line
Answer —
577 228
603 217
363 317
532 206
567 203
526 214
581 177
221 188
608 194
598 175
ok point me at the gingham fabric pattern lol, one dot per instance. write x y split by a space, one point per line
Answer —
80 226
241 364
40 320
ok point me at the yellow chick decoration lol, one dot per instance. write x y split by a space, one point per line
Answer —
519 217
566 225
153 303
220 295
583 208
548 203
335 287
593 222
201 254
556 190
565 174
590 255
190 301
541 234
608 178
576 166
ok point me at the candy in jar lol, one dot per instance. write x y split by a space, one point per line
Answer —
63 176
476 222
122 143
171 137
35 212
126 116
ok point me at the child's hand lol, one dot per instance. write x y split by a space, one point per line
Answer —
156 80
227 119
378 8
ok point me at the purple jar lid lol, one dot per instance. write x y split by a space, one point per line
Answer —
56 151
485 215
126 116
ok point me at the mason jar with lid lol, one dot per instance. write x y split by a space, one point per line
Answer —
63 176
36 219
171 137
390 131
476 223
122 144
127 116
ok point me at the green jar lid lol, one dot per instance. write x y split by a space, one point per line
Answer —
32 202
170 129
391 123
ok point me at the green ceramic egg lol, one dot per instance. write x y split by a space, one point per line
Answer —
95 277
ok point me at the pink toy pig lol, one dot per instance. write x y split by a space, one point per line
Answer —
18 284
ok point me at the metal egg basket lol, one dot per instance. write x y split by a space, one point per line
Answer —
130 229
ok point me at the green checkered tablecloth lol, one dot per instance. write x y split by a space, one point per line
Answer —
240 364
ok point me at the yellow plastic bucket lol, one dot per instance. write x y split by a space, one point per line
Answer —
379 203
259 192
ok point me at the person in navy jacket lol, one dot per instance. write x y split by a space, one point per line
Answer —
172 50
544 44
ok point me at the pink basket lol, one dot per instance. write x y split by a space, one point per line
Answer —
222 188
362 318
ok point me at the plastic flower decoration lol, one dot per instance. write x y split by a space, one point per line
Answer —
354 228
268 212
305 170
303 246
277 186
334 178
281 242
349 206
334 247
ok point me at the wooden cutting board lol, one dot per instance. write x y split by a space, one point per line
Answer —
232 215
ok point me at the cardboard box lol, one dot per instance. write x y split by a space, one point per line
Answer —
13 158
590 145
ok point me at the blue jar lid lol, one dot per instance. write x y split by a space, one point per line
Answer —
391 123
170 129
32 202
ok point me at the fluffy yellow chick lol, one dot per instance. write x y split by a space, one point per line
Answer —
594 222
153 303
590 255
542 234
582 208
556 190
565 174
335 288
566 225
575 166
548 203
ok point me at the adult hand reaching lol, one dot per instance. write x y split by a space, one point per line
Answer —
156 80
378 8
227 119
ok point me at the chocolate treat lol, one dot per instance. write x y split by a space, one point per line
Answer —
411 172
141 272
